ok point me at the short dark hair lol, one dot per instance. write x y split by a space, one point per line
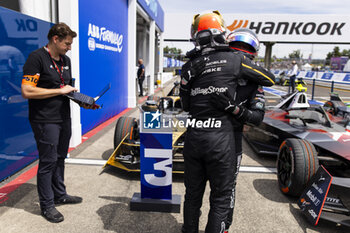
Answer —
61 30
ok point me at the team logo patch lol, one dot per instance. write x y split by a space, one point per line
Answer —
259 105
184 81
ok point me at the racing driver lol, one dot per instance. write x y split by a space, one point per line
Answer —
247 105
209 153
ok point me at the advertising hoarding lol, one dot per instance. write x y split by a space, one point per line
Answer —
281 28
103 36
19 36
294 28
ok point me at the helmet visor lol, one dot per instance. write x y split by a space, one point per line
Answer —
246 39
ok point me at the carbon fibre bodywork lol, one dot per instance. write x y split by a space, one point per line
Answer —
303 137
338 108
328 133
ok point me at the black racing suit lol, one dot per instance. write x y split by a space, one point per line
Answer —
250 96
209 153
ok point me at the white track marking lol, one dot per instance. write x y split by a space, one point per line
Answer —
100 162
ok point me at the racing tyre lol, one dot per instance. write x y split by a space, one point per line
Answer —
153 97
149 106
124 126
297 162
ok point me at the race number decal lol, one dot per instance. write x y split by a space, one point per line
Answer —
164 166
156 165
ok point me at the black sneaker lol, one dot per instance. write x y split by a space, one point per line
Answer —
68 199
52 215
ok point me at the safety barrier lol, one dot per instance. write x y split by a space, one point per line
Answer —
333 81
171 62
341 78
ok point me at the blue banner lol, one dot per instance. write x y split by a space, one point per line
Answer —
154 10
347 78
168 62
19 36
309 74
156 165
327 76
103 36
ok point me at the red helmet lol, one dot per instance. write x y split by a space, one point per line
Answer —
212 21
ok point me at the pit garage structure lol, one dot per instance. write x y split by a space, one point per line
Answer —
111 36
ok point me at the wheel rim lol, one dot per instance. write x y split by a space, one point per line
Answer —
285 167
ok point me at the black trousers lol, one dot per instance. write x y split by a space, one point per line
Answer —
52 141
292 83
209 156
141 84
239 151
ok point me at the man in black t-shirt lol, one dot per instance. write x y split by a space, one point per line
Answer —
47 77
141 76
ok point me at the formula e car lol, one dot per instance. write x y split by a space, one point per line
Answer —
280 78
126 153
302 137
337 107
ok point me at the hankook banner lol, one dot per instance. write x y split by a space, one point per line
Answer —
283 28
294 28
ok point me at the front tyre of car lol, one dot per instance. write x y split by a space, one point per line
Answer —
126 126
153 97
297 162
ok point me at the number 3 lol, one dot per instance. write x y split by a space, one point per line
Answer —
160 166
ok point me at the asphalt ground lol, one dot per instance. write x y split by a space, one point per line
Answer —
260 206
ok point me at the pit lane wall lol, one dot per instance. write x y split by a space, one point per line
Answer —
19 36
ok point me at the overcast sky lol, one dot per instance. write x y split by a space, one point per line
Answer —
335 7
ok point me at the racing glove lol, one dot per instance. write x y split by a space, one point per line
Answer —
225 102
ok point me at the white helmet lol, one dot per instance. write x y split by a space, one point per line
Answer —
245 36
